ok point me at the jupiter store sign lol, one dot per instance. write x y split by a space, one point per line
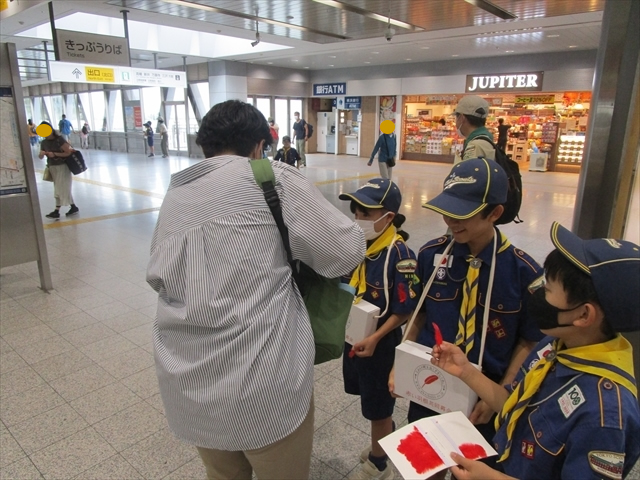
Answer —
510 82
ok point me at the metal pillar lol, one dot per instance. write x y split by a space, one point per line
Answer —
46 58
186 104
155 60
52 21
611 150
126 32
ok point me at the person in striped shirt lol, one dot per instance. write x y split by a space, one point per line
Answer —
234 348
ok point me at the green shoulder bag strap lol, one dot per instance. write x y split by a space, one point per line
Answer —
265 178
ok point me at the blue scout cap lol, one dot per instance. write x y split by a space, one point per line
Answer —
614 267
471 186
376 193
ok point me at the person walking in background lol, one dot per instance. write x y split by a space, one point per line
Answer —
164 137
65 127
471 116
33 136
275 135
235 364
300 135
503 131
84 136
386 150
148 133
57 149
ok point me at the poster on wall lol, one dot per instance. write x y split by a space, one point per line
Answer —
12 176
388 109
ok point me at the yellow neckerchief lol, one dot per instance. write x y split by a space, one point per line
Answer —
359 276
612 360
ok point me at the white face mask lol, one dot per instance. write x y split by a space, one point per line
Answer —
369 228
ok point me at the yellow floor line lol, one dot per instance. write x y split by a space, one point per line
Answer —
116 187
78 221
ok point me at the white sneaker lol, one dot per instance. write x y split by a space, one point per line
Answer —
364 455
368 471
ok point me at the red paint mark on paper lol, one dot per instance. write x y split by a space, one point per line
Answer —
436 329
430 379
419 452
472 451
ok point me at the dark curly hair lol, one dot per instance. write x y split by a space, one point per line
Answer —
232 127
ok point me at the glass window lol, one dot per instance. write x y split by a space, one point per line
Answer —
201 96
48 107
40 111
84 109
175 94
71 110
193 123
264 105
57 108
131 94
116 115
282 116
296 106
151 103
28 108
98 111
251 100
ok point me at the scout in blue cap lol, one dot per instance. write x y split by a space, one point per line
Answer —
464 285
387 280
572 411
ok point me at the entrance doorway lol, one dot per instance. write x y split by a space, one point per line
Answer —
176 123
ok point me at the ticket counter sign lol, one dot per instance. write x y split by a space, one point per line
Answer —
100 74
80 47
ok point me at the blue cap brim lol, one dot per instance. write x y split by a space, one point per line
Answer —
360 199
454 207
570 245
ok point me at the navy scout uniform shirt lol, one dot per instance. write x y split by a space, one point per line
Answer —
403 284
508 320
576 426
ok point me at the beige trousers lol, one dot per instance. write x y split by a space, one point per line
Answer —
286 459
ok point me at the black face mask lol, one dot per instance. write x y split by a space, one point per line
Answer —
545 314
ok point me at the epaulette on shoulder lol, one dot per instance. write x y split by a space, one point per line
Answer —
610 413
436 242
526 258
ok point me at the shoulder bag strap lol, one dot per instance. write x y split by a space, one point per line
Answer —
263 173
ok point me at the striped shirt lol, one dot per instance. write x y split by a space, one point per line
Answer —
233 344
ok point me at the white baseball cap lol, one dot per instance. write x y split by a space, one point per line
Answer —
473 105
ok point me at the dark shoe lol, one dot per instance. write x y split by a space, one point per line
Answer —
72 211
165 156
151 155
54 214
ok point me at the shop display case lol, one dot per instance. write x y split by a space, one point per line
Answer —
569 153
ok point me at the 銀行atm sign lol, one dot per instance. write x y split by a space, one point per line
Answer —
331 89
509 82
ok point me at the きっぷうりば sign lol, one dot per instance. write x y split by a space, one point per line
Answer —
79 47
510 82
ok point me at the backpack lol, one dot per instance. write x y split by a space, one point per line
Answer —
84 130
514 195
309 130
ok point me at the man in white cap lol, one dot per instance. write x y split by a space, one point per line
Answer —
471 116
